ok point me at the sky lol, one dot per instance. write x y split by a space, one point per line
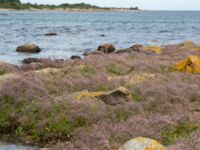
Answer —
142 4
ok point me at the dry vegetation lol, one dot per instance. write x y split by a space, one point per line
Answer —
37 101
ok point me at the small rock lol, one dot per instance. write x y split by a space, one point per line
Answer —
92 53
28 48
102 35
51 34
30 60
117 96
142 143
136 47
75 57
106 48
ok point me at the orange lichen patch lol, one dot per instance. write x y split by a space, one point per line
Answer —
191 46
191 65
142 143
155 49
140 139
118 92
155 145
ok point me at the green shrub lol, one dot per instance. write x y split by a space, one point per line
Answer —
181 130
2 72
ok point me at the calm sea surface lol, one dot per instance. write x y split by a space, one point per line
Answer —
83 31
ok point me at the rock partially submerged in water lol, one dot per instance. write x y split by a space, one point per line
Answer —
28 48
106 48
142 143
51 34
75 57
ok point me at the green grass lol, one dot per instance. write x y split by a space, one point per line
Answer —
137 95
118 70
182 130
195 98
122 115
87 71
41 125
165 69
2 72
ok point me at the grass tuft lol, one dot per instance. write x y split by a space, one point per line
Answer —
182 130
87 71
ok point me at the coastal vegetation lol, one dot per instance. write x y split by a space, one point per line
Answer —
16 4
105 99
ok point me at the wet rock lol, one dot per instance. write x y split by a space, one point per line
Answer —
102 35
51 34
106 48
93 53
30 60
142 143
3 14
75 57
136 47
114 97
28 48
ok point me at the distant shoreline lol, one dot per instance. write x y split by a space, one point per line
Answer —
72 10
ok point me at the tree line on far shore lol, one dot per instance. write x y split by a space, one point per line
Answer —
16 4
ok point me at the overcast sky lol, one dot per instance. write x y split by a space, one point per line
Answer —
143 4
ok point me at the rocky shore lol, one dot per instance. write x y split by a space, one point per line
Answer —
104 99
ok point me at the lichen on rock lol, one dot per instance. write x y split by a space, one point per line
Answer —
190 45
113 97
141 143
155 49
191 64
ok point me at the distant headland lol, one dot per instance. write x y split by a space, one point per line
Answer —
18 5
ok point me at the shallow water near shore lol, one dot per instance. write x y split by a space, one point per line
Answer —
84 31
6 146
